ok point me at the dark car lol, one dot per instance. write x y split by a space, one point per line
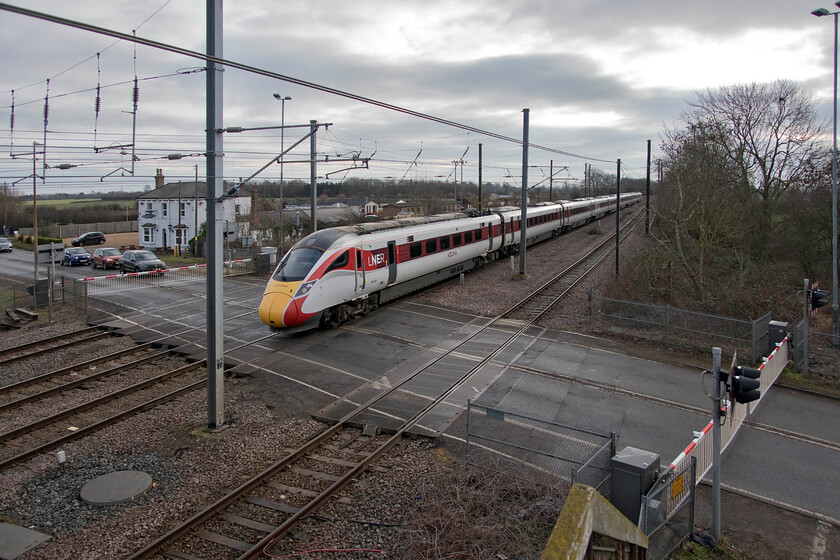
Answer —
5 245
74 256
89 238
140 261
106 257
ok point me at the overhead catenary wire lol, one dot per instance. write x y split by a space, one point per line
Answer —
274 75
145 21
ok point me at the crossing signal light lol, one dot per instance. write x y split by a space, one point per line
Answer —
819 298
745 384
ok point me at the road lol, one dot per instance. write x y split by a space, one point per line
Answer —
19 267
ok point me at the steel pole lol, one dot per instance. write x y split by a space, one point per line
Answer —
215 189
835 309
617 213
647 197
523 216
313 128
34 227
282 150
716 396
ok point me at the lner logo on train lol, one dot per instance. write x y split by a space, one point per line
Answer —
376 259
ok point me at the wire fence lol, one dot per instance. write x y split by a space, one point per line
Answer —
499 439
815 353
682 328
667 513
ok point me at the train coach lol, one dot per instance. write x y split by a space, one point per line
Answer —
335 274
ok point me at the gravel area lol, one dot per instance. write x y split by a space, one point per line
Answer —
190 466
495 288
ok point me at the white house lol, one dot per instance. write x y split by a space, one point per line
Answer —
173 213
371 208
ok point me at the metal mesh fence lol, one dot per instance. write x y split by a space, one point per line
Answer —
667 513
823 355
679 327
498 439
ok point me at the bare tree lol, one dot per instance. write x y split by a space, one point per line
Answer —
769 132
699 223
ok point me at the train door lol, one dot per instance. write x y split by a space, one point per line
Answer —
360 269
392 262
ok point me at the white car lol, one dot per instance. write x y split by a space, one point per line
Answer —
5 245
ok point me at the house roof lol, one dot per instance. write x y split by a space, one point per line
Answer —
185 189
324 215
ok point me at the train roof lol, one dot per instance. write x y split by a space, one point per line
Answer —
375 227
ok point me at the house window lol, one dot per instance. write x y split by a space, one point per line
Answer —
236 209
183 209
148 235
164 209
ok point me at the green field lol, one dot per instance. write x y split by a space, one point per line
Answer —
81 202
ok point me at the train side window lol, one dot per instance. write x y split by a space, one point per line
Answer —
444 243
456 240
478 235
415 250
340 261
431 246
358 259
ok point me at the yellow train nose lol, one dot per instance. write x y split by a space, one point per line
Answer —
277 308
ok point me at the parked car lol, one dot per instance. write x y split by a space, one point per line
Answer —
5 245
140 261
74 256
89 238
106 257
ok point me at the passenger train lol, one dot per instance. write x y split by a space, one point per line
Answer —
335 274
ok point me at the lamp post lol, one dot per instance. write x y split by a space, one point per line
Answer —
835 309
282 100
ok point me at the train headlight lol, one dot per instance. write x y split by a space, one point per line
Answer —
305 288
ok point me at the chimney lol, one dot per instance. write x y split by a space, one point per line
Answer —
159 178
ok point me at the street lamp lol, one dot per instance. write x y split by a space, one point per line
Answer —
282 100
835 309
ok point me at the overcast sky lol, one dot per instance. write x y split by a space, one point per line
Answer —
600 79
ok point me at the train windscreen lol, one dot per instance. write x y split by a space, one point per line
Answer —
297 264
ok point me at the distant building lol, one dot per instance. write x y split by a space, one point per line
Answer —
173 213
371 208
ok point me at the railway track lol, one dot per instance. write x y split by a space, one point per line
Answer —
45 433
56 343
88 395
250 520
549 294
